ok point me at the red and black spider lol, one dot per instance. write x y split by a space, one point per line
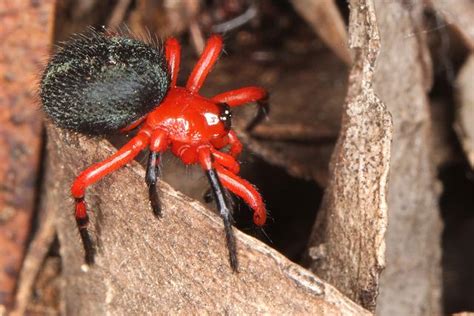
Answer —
101 83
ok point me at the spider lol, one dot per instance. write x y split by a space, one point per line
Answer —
196 129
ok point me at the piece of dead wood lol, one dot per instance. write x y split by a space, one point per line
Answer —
34 258
411 281
177 264
347 247
25 37
326 20
458 14
464 125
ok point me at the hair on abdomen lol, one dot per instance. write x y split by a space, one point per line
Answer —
98 83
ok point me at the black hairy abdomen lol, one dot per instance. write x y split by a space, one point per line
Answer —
98 84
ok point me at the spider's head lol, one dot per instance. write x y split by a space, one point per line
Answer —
225 116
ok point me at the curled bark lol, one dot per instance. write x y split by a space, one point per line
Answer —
347 247
465 113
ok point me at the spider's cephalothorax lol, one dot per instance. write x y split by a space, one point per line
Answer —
196 129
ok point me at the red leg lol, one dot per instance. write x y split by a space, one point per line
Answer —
246 191
204 65
173 56
133 125
245 95
226 160
241 96
235 144
94 174
205 160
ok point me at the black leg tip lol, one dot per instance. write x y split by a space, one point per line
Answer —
155 201
231 243
89 249
234 263
263 110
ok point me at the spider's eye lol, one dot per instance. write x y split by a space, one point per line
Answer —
225 115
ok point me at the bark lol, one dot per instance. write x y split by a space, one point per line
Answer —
411 282
177 264
347 236
25 37
347 247
465 112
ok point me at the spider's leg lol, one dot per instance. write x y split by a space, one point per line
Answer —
93 174
224 210
235 144
173 56
229 162
226 160
246 191
133 125
205 63
153 171
246 95
158 144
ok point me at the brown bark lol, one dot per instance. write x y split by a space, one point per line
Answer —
177 264
411 282
347 247
25 37
465 113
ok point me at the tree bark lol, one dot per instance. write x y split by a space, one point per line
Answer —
347 247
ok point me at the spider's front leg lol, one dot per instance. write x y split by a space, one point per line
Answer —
246 95
245 190
93 174
158 144
205 161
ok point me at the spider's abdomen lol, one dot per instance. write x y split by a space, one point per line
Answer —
98 84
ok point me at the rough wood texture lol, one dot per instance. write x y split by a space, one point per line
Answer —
347 248
25 38
465 113
177 264
410 284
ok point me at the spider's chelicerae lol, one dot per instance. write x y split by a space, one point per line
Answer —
99 83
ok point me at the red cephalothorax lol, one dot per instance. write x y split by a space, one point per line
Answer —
196 129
